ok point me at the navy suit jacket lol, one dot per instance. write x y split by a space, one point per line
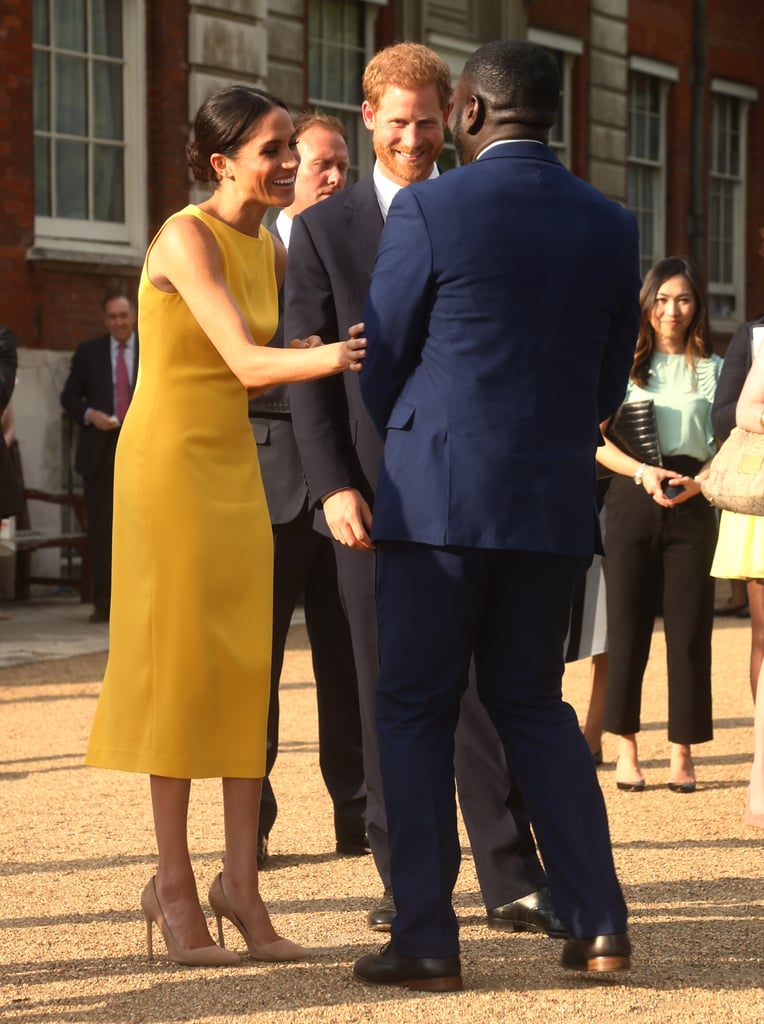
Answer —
331 256
502 320
90 386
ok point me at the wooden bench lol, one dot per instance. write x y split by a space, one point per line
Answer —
28 539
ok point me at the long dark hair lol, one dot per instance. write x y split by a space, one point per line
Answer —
697 343
224 123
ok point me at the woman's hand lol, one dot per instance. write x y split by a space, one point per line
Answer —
652 480
346 355
353 351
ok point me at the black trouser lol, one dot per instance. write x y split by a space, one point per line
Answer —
655 554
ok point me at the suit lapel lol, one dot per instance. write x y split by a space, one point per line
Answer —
363 220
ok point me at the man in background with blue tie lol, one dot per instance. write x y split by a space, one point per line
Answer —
96 396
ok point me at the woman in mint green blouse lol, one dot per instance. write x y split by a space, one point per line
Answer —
661 531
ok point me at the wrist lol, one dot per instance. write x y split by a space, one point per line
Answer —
639 473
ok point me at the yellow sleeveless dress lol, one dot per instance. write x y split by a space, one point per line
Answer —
185 694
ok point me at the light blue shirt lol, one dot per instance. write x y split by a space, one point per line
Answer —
683 395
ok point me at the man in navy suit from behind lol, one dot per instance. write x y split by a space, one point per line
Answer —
407 89
501 325
90 397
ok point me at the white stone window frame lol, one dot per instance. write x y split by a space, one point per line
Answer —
350 114
734 289
666 74
82 240
566 49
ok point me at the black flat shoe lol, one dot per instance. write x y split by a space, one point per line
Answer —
738 610
381 918
601 953
426 974
682 787
631 787
353 846
533 913
597 757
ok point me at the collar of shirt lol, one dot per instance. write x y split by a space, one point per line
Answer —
505 142
129 344
129 355
387 190
284 227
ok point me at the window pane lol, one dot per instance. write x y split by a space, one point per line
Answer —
42 204
41 22
107 101
71 180
71 95
41 91
69 25
108 184
107 27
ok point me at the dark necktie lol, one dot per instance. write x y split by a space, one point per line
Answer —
122 384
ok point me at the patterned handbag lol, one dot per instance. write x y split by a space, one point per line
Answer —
735 481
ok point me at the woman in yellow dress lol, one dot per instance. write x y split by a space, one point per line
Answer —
185 693
740 555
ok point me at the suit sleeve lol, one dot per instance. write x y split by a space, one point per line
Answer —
397 307
73 396
624 325
8 365
737 363
319 408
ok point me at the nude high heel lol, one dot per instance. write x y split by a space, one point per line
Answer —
202 956
270 952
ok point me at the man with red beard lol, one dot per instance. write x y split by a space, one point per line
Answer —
332 250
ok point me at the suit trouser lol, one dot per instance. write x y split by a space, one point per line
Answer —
654 553
497 823
303 561
510 609
98 489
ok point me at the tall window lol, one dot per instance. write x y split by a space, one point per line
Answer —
564 49
337 55
646 161
88 152
726 201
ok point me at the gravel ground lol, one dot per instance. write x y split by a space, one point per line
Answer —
76 847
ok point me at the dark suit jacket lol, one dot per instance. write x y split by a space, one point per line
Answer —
502 320
325 288
271 420
90 386
737 363
11 501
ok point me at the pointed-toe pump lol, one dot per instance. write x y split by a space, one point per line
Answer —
202 956
278 951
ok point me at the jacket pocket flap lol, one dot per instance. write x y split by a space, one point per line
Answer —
261 431
401 417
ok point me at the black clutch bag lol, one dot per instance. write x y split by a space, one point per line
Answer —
634 429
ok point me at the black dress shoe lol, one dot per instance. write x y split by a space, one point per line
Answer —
533 913
600 953
427 974
262 851
381 918
353 846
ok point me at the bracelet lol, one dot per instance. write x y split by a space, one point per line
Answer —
639 474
